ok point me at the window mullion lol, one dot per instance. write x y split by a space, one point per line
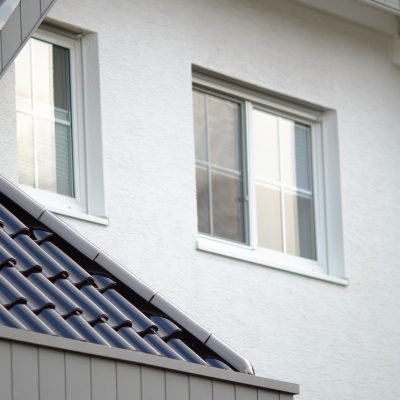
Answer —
251 183
209 171
282 193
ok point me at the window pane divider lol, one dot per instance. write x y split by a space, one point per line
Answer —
251 190
282 194
209 175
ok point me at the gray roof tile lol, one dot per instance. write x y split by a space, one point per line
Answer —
7 319
25 262
12 225
37 301
50 267
30 320
53 281
140 322
64 305
9 295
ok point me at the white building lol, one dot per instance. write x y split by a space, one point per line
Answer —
295 109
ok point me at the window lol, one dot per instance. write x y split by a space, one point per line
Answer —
260 172
54 124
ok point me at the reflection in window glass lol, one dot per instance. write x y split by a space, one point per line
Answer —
300 225
44 125
284 189
217 126
269 220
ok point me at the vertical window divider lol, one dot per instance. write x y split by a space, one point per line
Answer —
251 187
210 198
281 186
78 143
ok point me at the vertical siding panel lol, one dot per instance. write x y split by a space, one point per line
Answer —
77 377
104 381
285 396
25 372
200 388
44 5
1 54
11 35
30 14
5 370
245 393
267 395
51 374
223 391
128 381
153 384
177 386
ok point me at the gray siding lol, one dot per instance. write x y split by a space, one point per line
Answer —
23 21
34 372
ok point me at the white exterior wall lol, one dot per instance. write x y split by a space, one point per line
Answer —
337 342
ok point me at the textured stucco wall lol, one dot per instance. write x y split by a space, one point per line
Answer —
337 342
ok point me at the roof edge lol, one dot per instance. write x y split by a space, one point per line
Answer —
95 254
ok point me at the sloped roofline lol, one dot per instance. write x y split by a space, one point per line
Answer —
95 254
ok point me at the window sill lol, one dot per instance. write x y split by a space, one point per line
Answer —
67 207
79 215
245 253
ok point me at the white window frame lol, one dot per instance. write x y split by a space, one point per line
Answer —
88 203
328 266
77 203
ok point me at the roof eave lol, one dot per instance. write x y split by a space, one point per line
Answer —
368 13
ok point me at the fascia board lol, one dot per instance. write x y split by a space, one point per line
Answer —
56 342
361 12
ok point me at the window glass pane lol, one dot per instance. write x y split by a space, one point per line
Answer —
61 83
42 77
23 85
64 160
51 87
266 146
200 126
45 144
203 200
300 234
220 204
44 95
227 207
223 118
269 217
55 167
296 153
26 158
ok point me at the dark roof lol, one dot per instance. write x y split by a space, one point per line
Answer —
53 281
